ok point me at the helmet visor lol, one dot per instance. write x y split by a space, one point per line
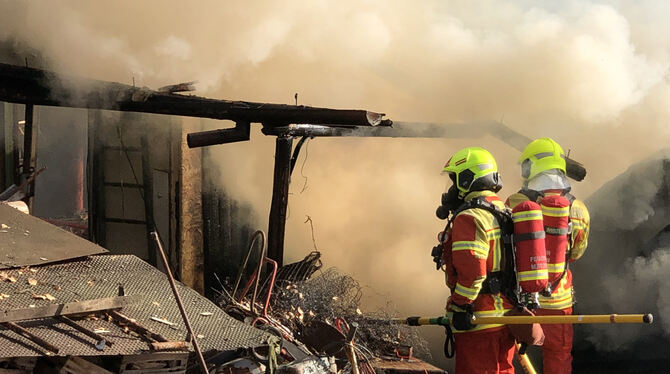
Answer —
451 181
525 168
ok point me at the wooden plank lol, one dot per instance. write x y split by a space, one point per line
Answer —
169 346
87 306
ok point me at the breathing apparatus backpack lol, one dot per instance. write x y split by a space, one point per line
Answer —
530 250
558 229
504 280
523 263
534 239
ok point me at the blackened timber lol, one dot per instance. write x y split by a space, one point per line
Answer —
240 132
29 154
40 87
148 194
282 179
28 140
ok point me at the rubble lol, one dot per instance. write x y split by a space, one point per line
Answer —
321 326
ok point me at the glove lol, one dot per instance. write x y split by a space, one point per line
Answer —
462 317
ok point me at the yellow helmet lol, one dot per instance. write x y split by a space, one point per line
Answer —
541 155
473 169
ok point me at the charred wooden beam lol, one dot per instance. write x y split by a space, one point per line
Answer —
29 154
240 132
40 87
282 179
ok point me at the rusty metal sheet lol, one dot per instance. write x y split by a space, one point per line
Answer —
28 240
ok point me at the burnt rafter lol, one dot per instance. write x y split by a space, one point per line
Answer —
41 87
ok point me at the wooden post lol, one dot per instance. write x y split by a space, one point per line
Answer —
96 189
282 179
148 192
29 154
191 261
3 164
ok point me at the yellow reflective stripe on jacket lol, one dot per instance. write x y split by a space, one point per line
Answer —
577 223
564 300
527 215
499 311
556 267
480 250
494 235
532 275
560 299
469 292
555 211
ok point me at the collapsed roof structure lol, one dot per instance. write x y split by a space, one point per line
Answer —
60 298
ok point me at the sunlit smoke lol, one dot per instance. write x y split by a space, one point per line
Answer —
592 75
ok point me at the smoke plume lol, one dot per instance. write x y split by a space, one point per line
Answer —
630 247
591 74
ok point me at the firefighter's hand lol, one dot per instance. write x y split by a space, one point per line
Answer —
462 317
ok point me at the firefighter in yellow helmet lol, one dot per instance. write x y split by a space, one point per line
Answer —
471 255
545 182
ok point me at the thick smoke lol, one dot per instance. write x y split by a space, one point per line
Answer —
591 74
630 247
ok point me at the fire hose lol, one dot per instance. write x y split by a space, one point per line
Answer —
525 320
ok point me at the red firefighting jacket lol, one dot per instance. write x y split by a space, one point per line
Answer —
562 295
473 250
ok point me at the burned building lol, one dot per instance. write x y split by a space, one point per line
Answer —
112 164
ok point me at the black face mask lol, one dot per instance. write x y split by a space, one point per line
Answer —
450 201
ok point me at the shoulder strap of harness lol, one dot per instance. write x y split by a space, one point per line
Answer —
532 195
500 281
566 193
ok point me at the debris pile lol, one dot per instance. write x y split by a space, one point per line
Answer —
332 296
320 318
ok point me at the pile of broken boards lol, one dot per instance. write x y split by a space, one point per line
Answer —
318 326
66 306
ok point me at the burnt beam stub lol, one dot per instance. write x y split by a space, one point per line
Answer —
282 179
241 132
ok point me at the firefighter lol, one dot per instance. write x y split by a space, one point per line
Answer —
544 179
472 262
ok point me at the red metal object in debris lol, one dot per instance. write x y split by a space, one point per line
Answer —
273 276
